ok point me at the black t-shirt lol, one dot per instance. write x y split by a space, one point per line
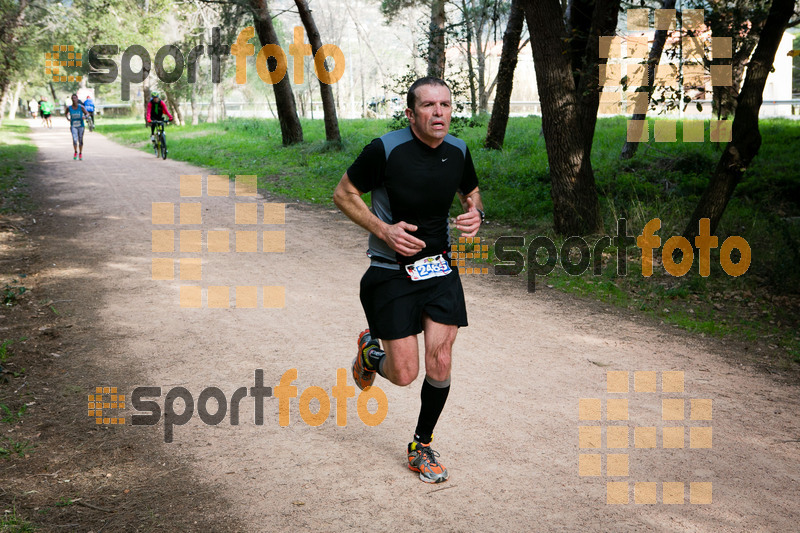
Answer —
414 183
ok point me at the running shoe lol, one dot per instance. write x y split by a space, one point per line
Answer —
422 459
75 155
80 157
363 376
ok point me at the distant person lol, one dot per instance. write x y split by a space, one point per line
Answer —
45 109
89 105
155 110
75 115
33 106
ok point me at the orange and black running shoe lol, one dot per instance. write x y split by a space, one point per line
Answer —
422 459
362 375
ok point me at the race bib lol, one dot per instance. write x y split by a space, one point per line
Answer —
429 267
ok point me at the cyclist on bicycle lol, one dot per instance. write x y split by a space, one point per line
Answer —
155 110
89 105
75 115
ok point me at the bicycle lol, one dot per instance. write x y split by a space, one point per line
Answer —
90 123
160 143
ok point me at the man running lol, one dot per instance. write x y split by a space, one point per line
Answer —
75 115
155 110
45 109
410 286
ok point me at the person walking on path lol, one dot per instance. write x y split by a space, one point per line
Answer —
75 115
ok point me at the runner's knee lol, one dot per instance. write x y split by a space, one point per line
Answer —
437 363
402 371
404 374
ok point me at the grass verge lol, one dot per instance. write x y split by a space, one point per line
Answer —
16 153
664 181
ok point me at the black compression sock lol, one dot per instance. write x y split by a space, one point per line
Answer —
433 395
374 357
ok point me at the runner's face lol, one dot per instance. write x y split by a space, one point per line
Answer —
430 119
74 99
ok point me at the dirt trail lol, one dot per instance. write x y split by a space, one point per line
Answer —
509 433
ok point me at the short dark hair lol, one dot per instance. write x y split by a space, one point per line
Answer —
411 98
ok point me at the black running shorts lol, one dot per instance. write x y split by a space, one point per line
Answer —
394 304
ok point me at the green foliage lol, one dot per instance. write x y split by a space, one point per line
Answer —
796 66
17 152
9 415
64 502
11 522
11 293
391 8
4 353
9 446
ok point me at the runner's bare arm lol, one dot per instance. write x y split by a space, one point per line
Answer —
348 199
470 221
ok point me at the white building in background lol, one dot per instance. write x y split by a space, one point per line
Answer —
777 91
779 82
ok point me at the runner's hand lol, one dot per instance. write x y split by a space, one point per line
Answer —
399 239
469 223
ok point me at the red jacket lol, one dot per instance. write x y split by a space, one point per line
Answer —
150 106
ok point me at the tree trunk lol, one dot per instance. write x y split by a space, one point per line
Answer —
212 105
436 40
145 98
470 71
724 97
576 210
604 22
745 137
5 91
195 118
174 103
483 101
291 130
9 38
579 20
660 37
326 91
12 111
496 132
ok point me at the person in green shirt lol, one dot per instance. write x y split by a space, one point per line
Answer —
46 108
